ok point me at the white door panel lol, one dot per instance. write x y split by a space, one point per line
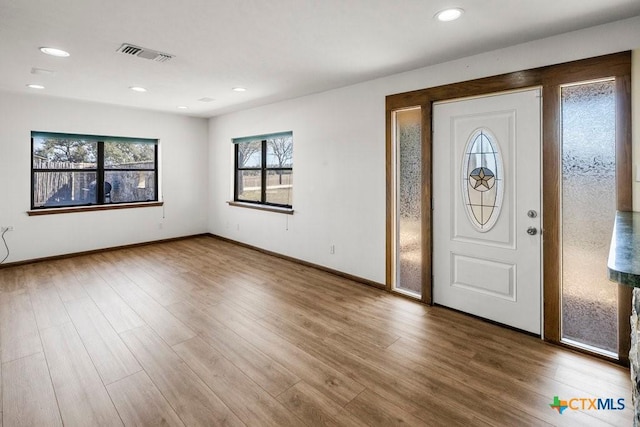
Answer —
501 123
486 177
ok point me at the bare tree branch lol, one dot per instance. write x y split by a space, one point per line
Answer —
246 150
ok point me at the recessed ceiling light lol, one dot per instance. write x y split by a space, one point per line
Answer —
34 86
54 52
137 89
239 89
447 15
182 107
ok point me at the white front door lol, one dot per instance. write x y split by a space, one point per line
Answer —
486 210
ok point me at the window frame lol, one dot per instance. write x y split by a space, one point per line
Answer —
263 168
100 170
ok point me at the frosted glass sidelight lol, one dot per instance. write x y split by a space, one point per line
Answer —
409 200
589 300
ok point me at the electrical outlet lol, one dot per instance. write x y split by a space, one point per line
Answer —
6 228
332 249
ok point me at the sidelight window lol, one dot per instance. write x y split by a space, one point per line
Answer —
589 301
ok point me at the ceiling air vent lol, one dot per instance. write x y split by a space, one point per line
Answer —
143 52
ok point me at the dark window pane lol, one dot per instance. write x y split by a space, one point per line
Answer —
59 153
249 185
280 152
125 155
279 187
249 154
129 186
52 189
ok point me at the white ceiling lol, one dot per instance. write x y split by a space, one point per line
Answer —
277 49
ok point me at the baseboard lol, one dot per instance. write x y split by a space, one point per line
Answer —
302 262
96 251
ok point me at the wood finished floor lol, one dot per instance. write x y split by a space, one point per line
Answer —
205 332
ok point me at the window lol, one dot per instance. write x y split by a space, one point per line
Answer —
588 196
264 169
482 180
80 170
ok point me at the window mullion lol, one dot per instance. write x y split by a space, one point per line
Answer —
236 178
100 174
264 171
156 178
33 175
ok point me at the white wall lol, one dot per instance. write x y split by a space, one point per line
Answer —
338 180
183 177
339 153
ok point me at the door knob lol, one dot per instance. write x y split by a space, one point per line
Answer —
532 231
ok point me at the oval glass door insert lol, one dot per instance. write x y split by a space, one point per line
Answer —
482 180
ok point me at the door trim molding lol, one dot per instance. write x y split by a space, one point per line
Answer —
550 78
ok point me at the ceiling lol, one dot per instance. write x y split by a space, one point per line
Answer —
276 49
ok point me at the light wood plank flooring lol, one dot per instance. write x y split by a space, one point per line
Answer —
204 332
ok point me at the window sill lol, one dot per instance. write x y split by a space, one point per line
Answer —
108 207
276 209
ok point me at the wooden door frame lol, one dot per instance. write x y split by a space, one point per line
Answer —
550 79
